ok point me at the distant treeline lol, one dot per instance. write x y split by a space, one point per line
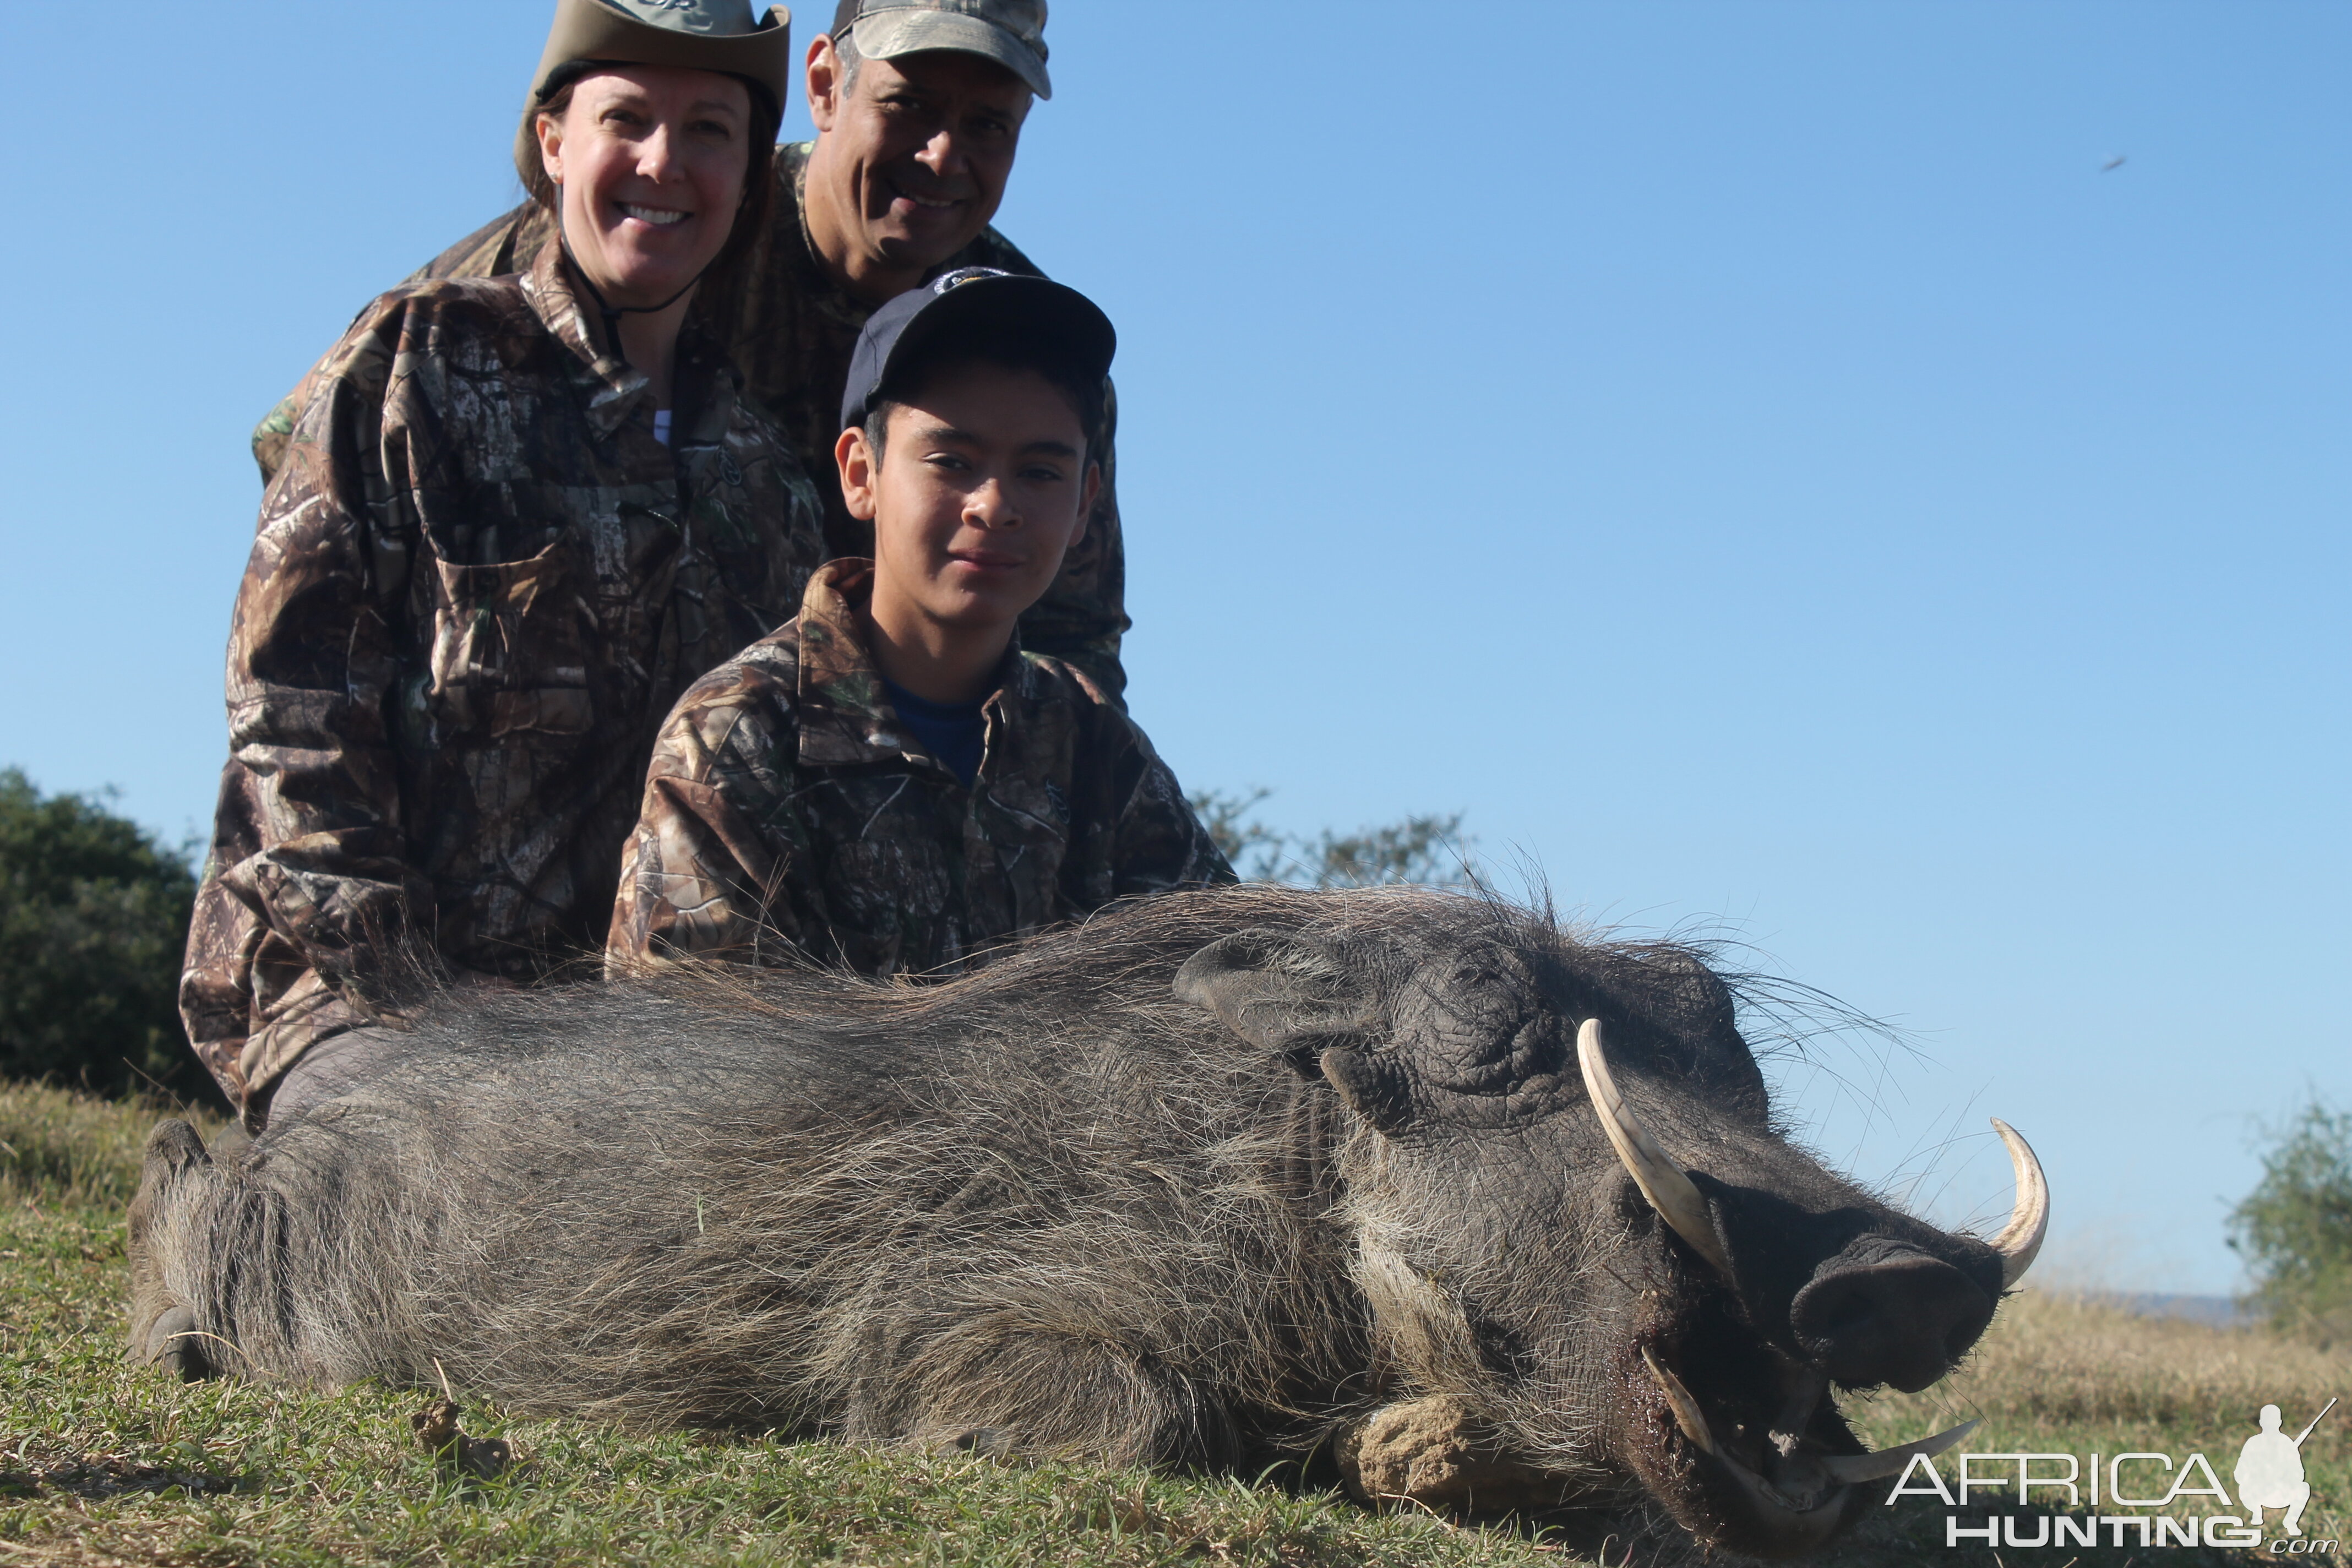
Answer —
1431 850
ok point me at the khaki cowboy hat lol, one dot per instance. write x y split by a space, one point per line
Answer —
700 35
1010 32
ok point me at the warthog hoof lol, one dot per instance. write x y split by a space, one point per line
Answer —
1433 1452
177 1345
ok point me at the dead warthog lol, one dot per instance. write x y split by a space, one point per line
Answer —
1211 1180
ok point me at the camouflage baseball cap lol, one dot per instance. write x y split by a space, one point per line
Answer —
1010 32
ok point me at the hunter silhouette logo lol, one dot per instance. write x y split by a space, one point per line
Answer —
2130 1497
2270 1471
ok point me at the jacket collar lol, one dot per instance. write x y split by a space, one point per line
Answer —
609 385
845 716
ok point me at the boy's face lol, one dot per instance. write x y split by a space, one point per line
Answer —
983 485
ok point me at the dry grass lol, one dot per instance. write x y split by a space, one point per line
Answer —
2063 1360
2062 1373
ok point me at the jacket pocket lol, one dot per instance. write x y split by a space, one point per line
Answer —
508 649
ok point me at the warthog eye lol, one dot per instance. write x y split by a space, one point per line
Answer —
1483 1030
1502 1061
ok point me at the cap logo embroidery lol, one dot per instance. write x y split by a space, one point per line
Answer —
964 275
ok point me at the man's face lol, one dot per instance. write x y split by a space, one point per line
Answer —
983 485
920 149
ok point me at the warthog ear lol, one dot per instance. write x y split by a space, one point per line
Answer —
1277 989
1294 997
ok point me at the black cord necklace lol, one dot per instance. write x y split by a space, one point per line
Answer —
611 312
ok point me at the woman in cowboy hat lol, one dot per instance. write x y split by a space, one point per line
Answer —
520 515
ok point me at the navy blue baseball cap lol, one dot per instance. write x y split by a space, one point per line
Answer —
981 305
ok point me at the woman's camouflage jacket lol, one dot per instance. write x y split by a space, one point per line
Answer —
479 583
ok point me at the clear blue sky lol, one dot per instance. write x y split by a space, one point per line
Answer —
1750 457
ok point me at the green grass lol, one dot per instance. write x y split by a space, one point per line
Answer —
100 1463
63 1148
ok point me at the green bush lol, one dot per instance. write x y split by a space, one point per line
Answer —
93 918
2295 1230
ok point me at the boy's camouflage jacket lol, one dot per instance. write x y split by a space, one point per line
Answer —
789 814
790 328
480 583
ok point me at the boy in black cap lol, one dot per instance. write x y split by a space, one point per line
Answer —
888 782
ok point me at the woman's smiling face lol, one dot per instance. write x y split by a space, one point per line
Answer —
650 161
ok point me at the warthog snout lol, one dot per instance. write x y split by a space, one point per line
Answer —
1883 1310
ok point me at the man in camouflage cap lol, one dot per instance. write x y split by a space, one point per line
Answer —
918 106
890 782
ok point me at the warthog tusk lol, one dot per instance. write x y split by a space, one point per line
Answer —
1661 1181
1846 1469
2029 1219
1851 1467
1687 1415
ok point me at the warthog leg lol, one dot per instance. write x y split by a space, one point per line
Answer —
1042 1396
163 1330
1434 1452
